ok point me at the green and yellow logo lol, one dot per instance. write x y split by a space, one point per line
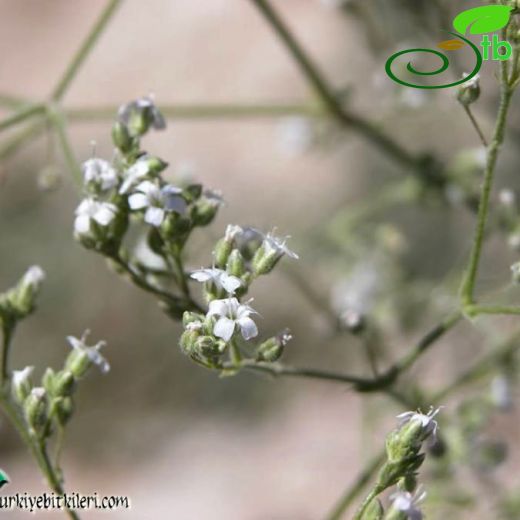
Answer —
4 479
482 20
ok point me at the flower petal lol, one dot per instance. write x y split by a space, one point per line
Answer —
248 328
138 201
224 328
229 282
154 216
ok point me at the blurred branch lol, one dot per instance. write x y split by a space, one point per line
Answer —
326 93
21 115
84 50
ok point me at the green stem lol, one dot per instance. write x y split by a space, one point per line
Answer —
360 483
475 124
37 449
468 283
59 126
361 511
82 53
21 115
19 139
7 336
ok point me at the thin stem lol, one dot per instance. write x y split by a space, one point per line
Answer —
475 124
21 115
12 145
371 496
82 53
360 483
205 111
475 310
63 139
37 449
7 336
468 283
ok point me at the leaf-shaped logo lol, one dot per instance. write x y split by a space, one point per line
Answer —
4 479
484 19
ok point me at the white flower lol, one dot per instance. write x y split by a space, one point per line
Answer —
473 82
142 104
232 314
427 422
406 503
137 171
38 392
92 210
232 231
157 201
507 198
92 353
34 277
100 173
21 376
276 245
219 277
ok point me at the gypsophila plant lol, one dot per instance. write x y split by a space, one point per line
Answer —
143 225
41 411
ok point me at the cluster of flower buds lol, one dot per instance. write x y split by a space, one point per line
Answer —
240 257
404 457
130 188
20 301
51 404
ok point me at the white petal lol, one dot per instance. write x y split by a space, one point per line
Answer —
230 283
82 224
104 216
154 216
138 201
147 187
248 328
202 275
218 307
224 328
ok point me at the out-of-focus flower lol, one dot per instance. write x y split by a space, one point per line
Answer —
407 504
84 356
91 210
34 277
157 201
427 422
231 315
100 174
140 114
295 135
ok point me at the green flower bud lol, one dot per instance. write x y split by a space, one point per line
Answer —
63 408
225 245
273 248
469 92
64 384
83 357
35 409
155 165
48 380
121 137
236 265
21 384
22 298
192 192
188 339
191 317
272 349
206 208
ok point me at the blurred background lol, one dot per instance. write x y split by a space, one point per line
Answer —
180 441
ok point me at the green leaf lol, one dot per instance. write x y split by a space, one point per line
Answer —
485 19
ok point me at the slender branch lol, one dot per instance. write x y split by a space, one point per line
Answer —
326 94
38 451
21 115
468 284
476 125
12 145
85 49
474 310
7 336
355 490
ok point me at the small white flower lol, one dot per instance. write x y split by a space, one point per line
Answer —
142 104
232 231
38 392
21 377
137 171
34 277
92 210
507 198
92 352
219 277
157 201
100 173
473 82
232 314
406 503
428 422
277 245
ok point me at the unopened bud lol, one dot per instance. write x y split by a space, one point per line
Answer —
469 92
35 408
21 384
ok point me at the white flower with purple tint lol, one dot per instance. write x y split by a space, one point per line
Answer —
92 353
407 504
89 211
156 202
99 173
143 105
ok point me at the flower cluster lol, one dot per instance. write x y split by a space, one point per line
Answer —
51 404
242 255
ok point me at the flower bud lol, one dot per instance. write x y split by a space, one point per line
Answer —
63 408
272 349
121 137
64 383
21 384
188 339
224 246
206 208
235 264
35 408
23 297
469 92
273 248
